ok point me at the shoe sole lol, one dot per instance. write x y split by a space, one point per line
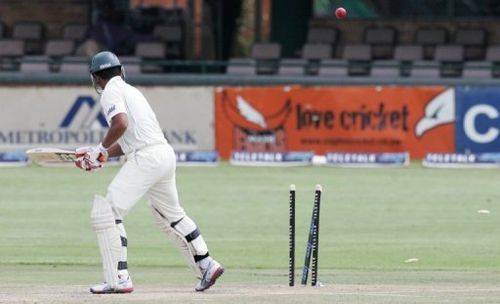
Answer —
216 275
124 290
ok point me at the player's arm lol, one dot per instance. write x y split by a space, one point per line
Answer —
119 124
115 150
91 158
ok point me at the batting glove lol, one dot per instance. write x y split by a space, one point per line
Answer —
85 164
91 158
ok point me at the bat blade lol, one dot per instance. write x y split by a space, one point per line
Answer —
51 155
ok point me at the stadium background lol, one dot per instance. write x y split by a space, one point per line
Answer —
363 84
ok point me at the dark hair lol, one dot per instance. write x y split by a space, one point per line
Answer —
109 73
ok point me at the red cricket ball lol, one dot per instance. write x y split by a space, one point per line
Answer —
340 13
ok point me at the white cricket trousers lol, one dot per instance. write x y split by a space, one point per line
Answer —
151 172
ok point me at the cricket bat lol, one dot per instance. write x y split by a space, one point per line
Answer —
51 155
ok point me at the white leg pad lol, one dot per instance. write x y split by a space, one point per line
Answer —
123 255
185 248
108 238
186 226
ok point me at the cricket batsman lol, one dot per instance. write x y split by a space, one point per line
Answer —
149 170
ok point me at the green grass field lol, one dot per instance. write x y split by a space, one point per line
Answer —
372 221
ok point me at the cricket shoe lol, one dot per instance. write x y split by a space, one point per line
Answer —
124 286
212 273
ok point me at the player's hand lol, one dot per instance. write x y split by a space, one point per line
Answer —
94 153
91 158
85 164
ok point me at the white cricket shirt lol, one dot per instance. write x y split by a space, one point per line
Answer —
143 127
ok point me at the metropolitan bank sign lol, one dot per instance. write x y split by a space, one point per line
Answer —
68 117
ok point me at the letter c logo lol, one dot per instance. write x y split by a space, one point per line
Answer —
469 124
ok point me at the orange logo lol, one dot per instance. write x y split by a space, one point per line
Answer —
253 129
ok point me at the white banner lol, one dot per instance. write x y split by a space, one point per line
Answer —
70 116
